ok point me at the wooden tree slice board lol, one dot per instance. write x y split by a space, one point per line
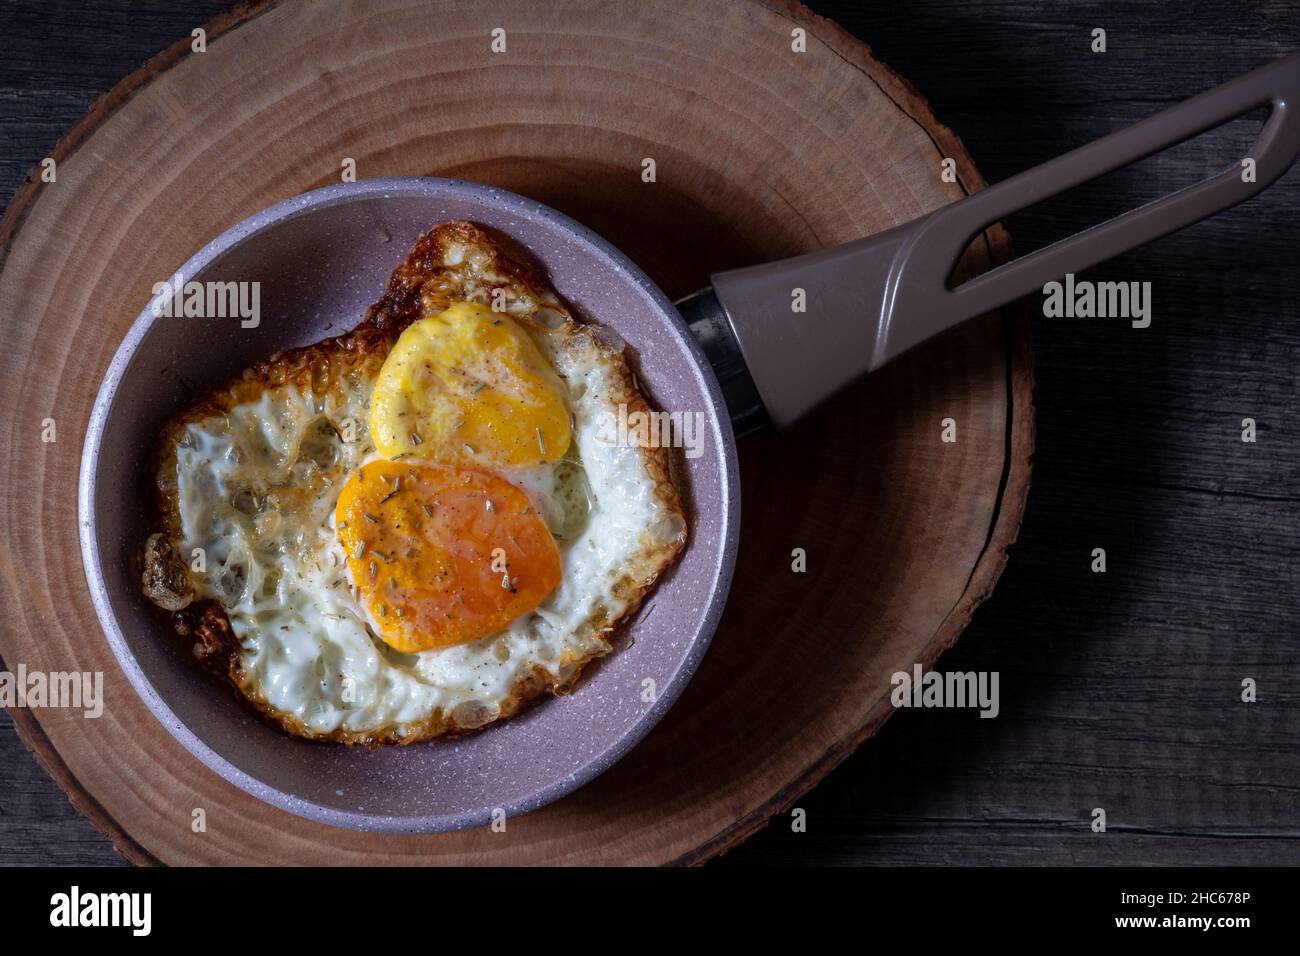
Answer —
760 151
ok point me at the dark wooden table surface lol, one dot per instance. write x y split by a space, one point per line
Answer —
1119 690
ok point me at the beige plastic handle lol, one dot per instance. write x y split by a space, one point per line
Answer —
869 301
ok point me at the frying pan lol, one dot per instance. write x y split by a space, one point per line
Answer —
736 354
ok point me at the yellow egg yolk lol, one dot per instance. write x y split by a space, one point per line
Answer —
443 555
467 385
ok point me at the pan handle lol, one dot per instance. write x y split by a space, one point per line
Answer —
867 302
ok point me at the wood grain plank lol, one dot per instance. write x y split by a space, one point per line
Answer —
1138 449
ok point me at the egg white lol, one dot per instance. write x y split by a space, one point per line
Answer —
256 489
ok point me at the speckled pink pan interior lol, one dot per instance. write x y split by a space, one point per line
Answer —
321 259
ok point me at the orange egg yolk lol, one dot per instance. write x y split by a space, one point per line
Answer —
443 555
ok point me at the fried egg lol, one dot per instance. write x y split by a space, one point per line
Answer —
419 526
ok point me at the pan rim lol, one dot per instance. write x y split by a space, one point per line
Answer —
93 564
